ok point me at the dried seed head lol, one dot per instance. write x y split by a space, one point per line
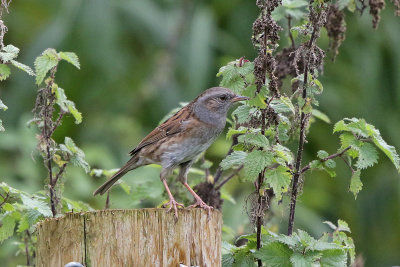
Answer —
336 28
375 7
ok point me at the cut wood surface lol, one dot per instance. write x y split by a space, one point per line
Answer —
144 237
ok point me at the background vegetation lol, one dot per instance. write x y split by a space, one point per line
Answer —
139 59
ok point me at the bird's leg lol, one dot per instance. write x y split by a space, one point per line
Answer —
184 169
172 203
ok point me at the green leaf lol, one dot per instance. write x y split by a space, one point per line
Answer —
4 72
227 260
233 131
23 67
8 53
7 226
243 259
75 113
256 161
343 226
45 62
303 260
282 105
279 179
255 139
235 159
71 58
275 254
390 151
283 155
242 113
23 224
319 115
333 258
367 155
1 126
77 156
37 204
355 183
8 207
322 154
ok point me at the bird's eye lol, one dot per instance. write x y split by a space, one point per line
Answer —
222 98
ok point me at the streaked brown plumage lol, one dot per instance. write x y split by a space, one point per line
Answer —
180 139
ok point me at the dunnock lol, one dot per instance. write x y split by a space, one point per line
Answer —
180 139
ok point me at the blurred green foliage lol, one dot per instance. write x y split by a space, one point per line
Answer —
140 58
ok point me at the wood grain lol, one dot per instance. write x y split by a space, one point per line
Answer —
145 237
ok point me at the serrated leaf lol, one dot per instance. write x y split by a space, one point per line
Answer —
37 204
291 240
4 72
77 156
279 179
23 224
355 183
367 155
7 207
343 226
74 112
275 254
322 154
233 131
255 162
255 139
282 105
227 260
45 62
71 58
7 226
390 151
243 113
333 258
235 159
303 260
23 67
243 259
8 53
283 155
320 115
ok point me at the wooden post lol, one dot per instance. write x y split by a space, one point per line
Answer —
134 238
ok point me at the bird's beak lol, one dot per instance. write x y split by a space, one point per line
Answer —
239 98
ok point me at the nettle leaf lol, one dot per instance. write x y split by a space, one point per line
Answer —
66 105
304 260
23 67
322 154
233 76
255 139
333 258
71 58
7 226
275 254
235 159
355 183
279 179
283 155
282 105
8 53
256 161
320 115
256 99
367 155
243 112
361 128
283 128
35 203
45 62
4 72
243 259
227 260
77 156
233 131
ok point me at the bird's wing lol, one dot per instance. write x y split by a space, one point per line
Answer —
171 126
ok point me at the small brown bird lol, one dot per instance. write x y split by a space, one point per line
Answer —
180 139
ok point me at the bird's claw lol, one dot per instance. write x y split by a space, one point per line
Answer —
173 204
200 203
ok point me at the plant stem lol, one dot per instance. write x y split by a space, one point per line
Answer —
224 181
28 262
303 126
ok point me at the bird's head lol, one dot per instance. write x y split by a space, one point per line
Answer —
213 104
218 99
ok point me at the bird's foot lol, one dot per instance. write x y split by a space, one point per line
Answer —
200 203
173 204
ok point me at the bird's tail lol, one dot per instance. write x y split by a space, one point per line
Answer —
130 165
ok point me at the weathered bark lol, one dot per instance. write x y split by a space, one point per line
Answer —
145 237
